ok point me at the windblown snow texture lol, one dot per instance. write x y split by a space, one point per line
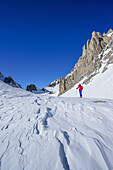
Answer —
46 133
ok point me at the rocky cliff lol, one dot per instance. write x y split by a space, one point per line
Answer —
98 50
9 80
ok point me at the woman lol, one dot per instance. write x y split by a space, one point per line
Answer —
80 89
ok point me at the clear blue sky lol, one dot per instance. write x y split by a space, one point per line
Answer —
41 40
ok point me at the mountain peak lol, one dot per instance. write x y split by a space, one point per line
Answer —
98 51
110 30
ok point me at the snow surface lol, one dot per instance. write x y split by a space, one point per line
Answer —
54 133
110 34
54 90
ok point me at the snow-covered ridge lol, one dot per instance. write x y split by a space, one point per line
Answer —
42 132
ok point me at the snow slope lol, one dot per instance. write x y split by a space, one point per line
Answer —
99 87
47 133
54 90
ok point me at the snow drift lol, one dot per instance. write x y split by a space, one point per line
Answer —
42 132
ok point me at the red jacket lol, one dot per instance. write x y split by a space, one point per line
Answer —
80 87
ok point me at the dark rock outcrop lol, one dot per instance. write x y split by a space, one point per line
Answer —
43 89
90 62
31 88
11 82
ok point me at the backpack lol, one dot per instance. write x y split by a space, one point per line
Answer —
81 87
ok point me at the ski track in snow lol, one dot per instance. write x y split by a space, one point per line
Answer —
46 133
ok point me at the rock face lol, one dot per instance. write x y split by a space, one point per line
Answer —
91 60
31 88
11 82
54 83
